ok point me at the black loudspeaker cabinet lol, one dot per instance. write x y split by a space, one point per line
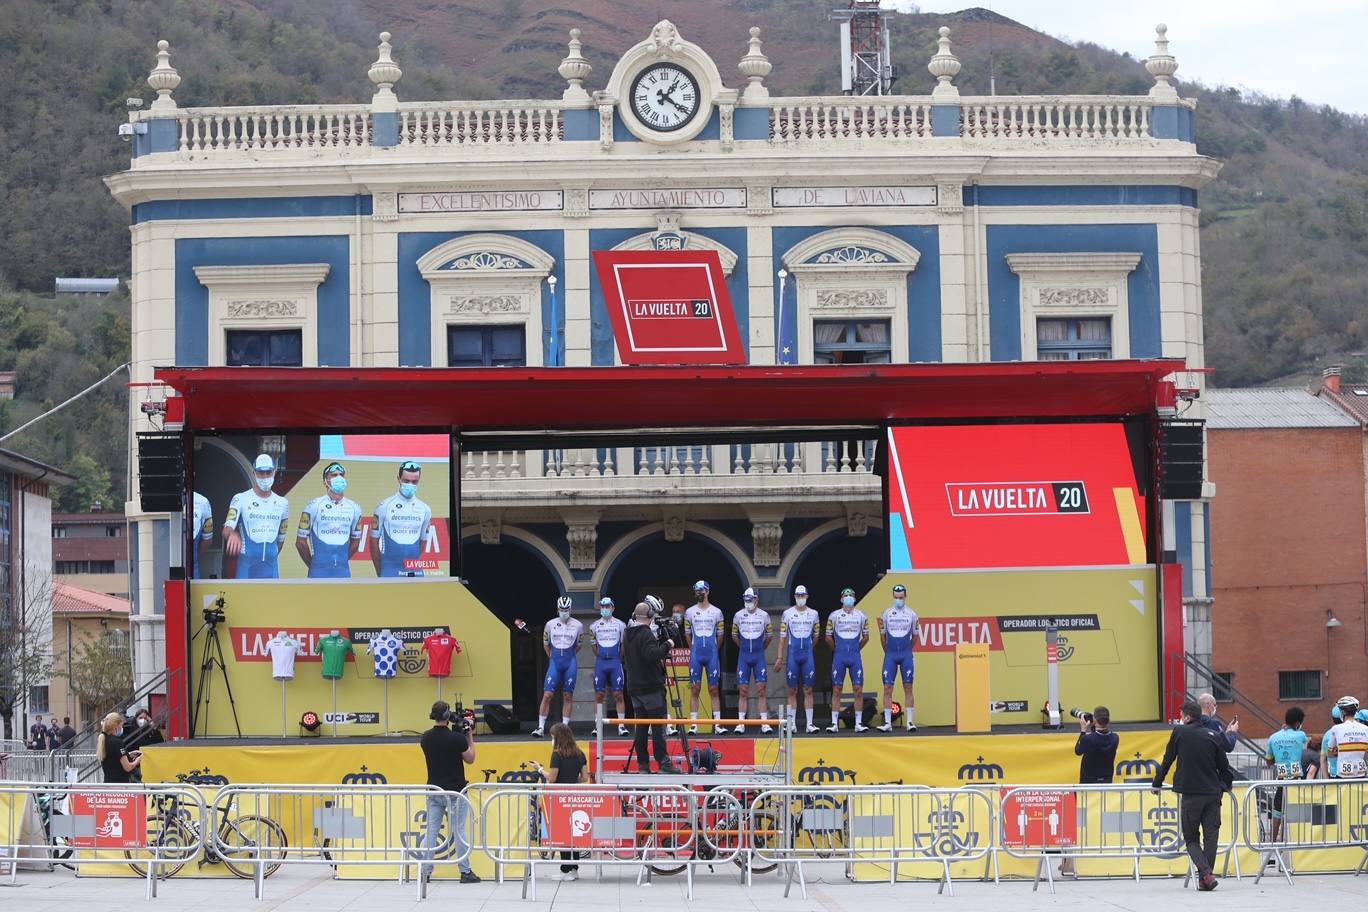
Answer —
161 473
500 719
1180 460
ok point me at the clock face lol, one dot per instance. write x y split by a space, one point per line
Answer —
665 97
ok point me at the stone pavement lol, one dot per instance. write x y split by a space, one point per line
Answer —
312 888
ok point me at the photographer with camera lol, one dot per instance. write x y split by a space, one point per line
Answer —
1097 745
447 750
644 655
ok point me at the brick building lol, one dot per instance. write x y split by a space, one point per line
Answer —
90 551
1289 551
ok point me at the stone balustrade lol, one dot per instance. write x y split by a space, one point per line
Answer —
272 128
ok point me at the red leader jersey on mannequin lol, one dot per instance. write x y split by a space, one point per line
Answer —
440 647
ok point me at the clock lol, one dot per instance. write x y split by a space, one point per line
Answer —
665 97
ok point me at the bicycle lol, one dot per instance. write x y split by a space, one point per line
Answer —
240 840
49 808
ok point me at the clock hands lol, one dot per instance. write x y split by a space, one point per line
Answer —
670 99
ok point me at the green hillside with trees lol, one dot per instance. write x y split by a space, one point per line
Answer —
1285 228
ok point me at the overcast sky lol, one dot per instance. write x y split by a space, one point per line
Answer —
1312 48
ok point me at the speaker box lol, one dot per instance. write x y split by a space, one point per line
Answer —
500 719
1181 454
161 472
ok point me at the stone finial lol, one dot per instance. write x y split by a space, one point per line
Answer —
385 73
1162 65
944 66
574 69
665 40
755 66
163 78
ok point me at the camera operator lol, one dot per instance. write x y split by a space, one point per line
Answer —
446 752
644 655
1097 745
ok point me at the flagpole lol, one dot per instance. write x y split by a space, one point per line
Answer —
779 338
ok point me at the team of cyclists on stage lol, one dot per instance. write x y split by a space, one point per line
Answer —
704 625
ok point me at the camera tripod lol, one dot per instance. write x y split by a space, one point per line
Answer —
212 658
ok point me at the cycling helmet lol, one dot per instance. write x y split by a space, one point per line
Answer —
606 602
656 605
900 588
564 603
749 595
1347 705
702 586
847 591
801 590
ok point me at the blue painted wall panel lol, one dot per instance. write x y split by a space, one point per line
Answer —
334 295
415 294
1080 195
272 207
923 287
1004 286
1182 521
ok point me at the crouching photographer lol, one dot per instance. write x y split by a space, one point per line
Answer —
447 747
644 653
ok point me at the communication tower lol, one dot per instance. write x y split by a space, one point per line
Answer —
866 64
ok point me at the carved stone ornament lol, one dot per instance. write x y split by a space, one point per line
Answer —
583 539
665 39
727 133
765 537
674 528
491 531
486 304
857 524
1074 297
576 203
262 308
851 254
486 259
605 126
385 207
759 199
834 299
950 198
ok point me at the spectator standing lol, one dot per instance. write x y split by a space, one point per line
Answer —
66 734
569 766
38 735
1214 722
1203 777
116 761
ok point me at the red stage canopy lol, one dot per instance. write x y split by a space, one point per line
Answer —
603 398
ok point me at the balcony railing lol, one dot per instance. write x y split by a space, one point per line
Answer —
313 127
505 123
1065 118
805 464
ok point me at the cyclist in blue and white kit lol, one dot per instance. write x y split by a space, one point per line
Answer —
897 629
202 526
330 528
704 626
561 639
400 526
254 530
798 631
752 632
846 634
605 637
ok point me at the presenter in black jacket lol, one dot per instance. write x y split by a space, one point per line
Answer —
643 662
1202 778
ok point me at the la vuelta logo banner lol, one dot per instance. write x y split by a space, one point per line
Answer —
1031 495
669 306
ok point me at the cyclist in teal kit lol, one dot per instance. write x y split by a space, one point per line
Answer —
330 528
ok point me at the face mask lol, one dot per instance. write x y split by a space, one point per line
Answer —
564 615
606 612
678 615
848 602
337 484
751 606
900 603
265 484
800 601
142 723
407 489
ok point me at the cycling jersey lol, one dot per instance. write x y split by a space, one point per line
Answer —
262 523
847 629
283 652
330 527
335 651
608 634
1346 745
705 626
799 628
385 647
899 627
399 528
440 647
752 629
1285 751
202 523
564 639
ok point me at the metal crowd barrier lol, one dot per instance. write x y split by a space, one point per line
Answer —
42 766
75 825
258 828
666 829
1315 815
1072 823
881 826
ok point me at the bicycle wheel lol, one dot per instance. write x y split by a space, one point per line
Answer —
660 838
764 836
175 844
243 840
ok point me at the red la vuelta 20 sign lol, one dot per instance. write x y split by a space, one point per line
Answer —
669 307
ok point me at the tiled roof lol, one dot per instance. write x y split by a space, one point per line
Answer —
1235 409
69 599
1352 398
